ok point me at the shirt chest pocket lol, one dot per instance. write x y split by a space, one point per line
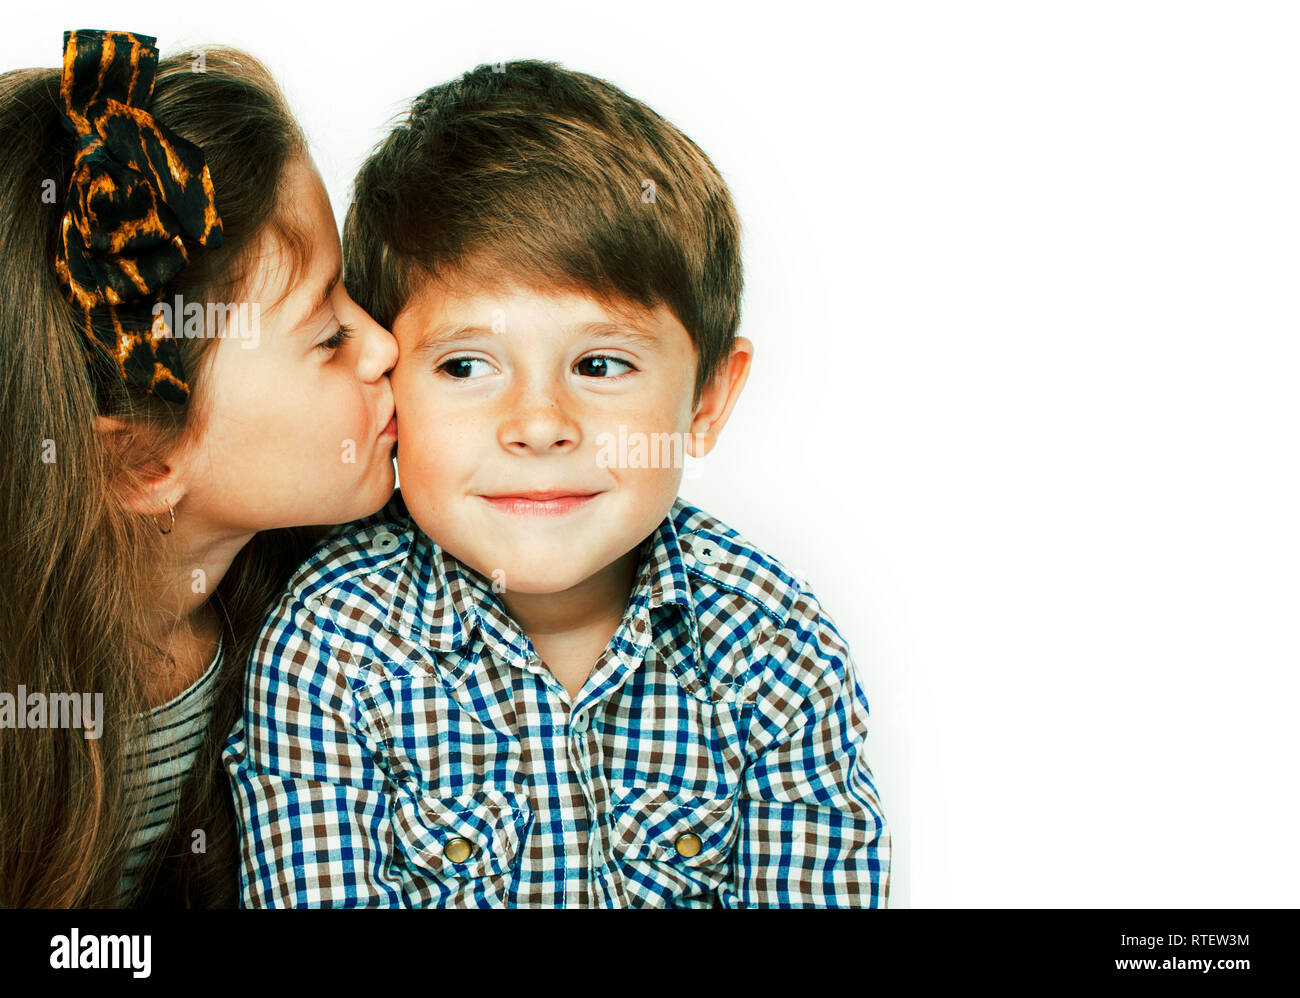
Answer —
666 850
462 851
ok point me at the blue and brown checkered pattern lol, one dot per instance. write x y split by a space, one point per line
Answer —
403 745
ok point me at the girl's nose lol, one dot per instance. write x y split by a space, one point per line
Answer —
378 353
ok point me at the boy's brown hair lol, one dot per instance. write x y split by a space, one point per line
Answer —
549 178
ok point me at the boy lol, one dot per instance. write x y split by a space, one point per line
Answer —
539 678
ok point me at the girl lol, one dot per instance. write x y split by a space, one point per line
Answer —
151 452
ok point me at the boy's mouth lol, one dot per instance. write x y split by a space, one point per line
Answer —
549 503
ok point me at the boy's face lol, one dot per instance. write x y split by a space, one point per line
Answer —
511 404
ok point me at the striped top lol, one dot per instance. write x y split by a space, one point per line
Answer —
161 763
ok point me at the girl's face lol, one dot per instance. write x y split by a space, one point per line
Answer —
297 425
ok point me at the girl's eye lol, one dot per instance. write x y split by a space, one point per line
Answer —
600 367
462 368
341 336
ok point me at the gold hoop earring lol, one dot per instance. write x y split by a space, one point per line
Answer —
172 512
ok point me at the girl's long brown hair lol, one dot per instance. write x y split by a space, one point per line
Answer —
76 569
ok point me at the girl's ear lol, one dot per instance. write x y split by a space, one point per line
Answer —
145 485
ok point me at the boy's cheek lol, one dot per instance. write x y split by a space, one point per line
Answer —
656 490
433 467
414 466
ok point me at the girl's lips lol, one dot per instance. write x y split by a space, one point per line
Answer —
391 429
540 503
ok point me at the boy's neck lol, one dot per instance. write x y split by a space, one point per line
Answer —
570 629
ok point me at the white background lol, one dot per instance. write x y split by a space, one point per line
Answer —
1022 281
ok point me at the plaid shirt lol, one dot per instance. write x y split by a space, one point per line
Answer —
403 744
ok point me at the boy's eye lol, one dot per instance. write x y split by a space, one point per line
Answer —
602 367
463 368
341 336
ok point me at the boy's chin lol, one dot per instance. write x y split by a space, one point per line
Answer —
543 578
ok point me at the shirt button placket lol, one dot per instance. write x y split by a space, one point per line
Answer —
582 746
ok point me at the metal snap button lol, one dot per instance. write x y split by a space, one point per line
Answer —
458 850
688 845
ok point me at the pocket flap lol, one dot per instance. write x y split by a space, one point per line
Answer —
650 823
471 836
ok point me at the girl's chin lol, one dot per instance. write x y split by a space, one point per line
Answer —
367 498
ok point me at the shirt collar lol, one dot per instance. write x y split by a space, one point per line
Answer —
661 579
440 603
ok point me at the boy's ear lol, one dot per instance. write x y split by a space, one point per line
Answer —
144 486
718 399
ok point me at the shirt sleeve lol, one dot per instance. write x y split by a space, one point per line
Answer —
314 811
812 832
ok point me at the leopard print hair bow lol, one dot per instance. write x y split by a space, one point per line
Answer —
136 190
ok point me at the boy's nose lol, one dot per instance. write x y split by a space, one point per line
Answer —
538 425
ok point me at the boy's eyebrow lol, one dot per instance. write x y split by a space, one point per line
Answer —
617 330
444 336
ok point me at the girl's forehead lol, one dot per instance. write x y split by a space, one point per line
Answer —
294 271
